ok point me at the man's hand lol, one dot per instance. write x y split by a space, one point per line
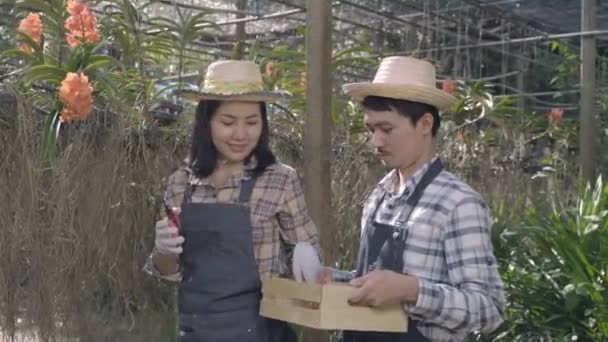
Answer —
382 288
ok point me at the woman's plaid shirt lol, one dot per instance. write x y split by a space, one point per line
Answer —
278 212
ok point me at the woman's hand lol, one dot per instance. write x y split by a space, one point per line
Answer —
168 241
325 276
306 265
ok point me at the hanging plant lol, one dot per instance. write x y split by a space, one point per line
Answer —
72 75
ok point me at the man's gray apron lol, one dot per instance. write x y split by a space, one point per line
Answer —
219 297
382 247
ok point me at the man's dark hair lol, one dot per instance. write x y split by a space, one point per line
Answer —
203 154
412 110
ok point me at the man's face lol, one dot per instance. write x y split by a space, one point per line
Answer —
396 141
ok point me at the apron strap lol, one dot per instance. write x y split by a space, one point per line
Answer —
412 201
247 186
187 198
434 170
391 252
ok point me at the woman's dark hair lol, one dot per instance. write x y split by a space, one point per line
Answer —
412 110
203 154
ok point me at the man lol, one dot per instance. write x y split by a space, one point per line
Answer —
425 239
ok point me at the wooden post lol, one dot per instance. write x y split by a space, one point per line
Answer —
588 133
317 137
240 31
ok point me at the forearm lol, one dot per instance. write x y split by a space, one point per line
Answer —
468 308
164 267
165 263
341 275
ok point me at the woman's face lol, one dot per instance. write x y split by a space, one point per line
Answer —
235 129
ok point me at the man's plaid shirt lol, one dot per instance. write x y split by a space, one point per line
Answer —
449 249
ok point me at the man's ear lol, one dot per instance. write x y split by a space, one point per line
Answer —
426 123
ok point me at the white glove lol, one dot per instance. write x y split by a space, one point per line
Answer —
305 264
168 240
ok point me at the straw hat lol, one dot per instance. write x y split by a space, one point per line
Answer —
403 78
235 80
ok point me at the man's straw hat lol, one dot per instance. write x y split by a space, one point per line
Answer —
404 78
234 80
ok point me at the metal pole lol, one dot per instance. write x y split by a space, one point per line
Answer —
588 134
204 8
317 137
583 34
521 84
240 31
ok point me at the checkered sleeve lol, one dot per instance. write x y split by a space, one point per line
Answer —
474 299
294 219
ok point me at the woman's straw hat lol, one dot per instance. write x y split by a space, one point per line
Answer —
404 78
234 80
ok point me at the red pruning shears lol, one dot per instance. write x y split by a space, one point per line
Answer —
172 215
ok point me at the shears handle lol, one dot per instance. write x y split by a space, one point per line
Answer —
173 216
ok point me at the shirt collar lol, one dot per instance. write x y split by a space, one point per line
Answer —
392 178
234 180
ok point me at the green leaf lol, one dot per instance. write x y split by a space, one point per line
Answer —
17 53
35 6
100 61
49 136
38 51
44 72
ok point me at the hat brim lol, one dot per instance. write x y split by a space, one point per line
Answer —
428 95
262 96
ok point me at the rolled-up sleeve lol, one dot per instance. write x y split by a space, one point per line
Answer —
176 181
294 219
474 299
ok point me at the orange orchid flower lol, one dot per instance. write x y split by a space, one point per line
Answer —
449 86
555 115
76 93
81 26
32 26
75 8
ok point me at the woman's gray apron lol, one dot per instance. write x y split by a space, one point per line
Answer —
220 293
382 247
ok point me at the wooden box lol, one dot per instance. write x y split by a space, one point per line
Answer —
326 307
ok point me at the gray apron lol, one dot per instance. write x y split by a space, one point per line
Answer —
219 297
382 247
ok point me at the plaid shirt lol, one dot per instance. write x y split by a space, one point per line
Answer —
449 249
278 213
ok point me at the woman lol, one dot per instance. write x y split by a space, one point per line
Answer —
239 211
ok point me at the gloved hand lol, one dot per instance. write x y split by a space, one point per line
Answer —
305 264
168 240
